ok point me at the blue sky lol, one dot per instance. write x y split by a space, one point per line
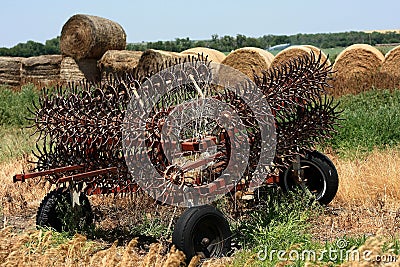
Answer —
41 20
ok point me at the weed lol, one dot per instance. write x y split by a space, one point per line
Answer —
370 120
14 105
280 222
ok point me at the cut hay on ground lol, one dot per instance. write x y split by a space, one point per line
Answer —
85 36
356 69
77 70
118 62
211 54
41 70
151 61
375 177
390 69
249 60
10 70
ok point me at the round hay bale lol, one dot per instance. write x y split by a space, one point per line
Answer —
356 69
317 52
85 36
358 59
151 61
118 62
390 69
10 70
290 53
78 70
41 70
249 60
212 54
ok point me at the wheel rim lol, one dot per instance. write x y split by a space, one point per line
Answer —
315 179
208 238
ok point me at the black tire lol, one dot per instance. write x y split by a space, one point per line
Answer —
202 231
56 212
320 174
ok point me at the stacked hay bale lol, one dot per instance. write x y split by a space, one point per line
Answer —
298 51
118 62
249 60
10 70
390 70
41 70
151 60
84 39
86 36
211 54
356 69
78 70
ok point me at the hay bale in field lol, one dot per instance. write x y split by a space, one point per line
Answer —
249 60
297 51
10 70
390 70
356 69
151 60
85 36
318 52
358 59
118 62
290 53
41 70
211 54
77 70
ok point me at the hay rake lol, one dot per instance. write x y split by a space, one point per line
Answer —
83 129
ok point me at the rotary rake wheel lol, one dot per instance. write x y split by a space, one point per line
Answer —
173 121
187 137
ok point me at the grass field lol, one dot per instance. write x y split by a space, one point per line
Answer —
364 216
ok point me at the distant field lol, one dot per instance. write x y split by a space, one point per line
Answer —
383 31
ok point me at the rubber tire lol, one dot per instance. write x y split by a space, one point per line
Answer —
49 216
324 166
199 220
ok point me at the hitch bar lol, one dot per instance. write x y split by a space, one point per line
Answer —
75 177
22 177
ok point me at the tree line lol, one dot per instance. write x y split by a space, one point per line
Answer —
32 48
228 43
223 43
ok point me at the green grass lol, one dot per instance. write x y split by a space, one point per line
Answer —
278 223
282 224
370 120
15 142
14 105
333 52
15 138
